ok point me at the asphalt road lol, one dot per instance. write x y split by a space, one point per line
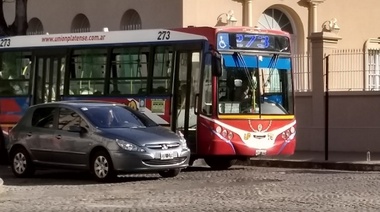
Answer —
196 189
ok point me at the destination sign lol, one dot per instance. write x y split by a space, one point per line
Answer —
253 41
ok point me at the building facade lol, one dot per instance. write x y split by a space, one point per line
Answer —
345 31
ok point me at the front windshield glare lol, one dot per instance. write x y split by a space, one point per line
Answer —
252 90
116 117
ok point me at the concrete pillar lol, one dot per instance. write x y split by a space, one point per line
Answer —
249 10
322 43
313 22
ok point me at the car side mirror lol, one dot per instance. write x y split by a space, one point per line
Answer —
75 128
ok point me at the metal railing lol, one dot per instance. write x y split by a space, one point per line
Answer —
348 70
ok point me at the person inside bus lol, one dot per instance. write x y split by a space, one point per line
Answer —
6 88
241 90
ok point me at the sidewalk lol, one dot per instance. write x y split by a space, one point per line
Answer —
354 161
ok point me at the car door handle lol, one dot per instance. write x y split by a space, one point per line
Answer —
29 134
58 136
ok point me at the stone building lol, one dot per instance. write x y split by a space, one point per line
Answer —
345 31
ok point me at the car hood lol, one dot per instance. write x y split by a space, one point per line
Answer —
141 136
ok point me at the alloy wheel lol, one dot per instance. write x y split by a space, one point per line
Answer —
19 163
101 167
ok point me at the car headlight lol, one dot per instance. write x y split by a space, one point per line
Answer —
182 139
129 146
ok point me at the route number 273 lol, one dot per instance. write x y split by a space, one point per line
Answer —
163 35
5 42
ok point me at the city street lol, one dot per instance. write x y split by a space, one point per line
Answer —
196 189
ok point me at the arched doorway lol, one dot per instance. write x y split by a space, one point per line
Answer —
130 20
80 23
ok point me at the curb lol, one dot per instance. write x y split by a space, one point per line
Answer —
312 165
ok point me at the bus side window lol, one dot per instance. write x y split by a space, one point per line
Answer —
129 70
14 73
87 75
161 83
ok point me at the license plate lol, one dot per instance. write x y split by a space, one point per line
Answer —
167 155
261 152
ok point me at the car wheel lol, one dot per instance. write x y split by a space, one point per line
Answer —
21 164
169 173
102 167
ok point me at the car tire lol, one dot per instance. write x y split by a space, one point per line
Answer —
169 173
102 167
21 163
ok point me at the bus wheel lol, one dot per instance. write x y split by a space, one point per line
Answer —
220 163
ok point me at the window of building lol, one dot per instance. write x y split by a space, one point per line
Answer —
35 27
373 70
80 24
131 20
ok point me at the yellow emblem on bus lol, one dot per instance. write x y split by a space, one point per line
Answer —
247 136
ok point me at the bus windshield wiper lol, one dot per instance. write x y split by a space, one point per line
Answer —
240 59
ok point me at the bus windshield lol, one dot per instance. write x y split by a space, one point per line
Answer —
255 84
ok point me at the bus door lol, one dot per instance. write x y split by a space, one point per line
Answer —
183 117
49 78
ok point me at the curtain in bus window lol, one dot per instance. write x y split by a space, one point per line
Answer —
129 70
88 70
163 60
15 72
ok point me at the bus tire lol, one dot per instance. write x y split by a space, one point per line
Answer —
219 163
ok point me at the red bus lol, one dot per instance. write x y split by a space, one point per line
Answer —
228 90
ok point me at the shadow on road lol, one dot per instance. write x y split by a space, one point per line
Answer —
64 177
207 169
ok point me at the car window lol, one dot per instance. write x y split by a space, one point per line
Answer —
116 117
69 118
43 117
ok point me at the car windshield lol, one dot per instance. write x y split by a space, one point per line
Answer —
114 116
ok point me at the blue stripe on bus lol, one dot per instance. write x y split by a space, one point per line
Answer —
251 62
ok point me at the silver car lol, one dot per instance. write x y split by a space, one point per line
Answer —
105 138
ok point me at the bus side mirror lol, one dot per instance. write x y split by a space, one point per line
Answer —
217 64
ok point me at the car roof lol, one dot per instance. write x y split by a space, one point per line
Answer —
78 103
